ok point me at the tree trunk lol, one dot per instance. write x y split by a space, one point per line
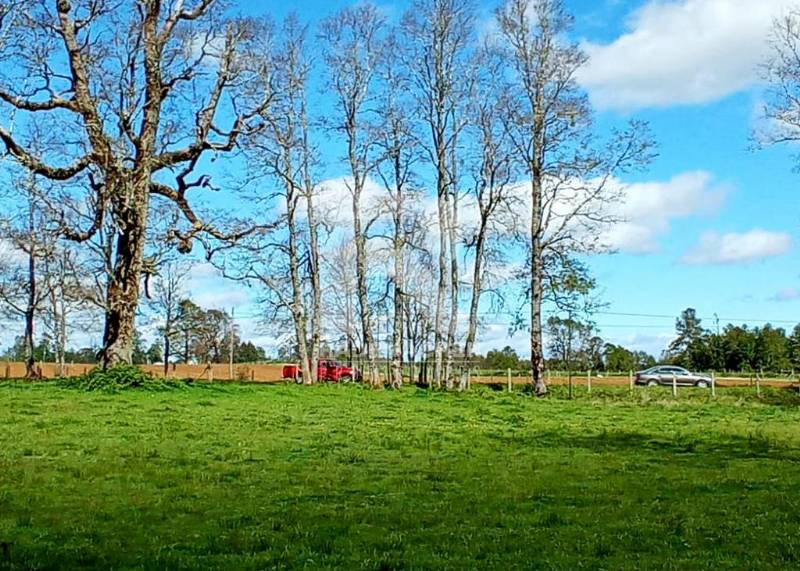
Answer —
166 356
30 308
399 276
316 288
361 287
61 343
452 221
441 190
30 371
537 293
397 332
298 312
477 290
122 297
313 245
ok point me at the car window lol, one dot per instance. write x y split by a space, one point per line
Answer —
679 371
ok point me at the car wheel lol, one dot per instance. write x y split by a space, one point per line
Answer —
652 383
345 379
701 384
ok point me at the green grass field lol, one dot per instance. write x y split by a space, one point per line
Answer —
329 477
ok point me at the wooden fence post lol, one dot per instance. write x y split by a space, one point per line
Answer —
758 385
509 379
630 380
589 381
713 384
674 385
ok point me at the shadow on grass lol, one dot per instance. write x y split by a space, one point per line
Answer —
754 446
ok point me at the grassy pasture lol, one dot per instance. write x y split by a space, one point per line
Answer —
329 477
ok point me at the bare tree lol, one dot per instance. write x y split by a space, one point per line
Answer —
439 34
354 47
781 70
493 172
67 297
165 302
419 293
340 296
572 174
22 291
140 90
400 152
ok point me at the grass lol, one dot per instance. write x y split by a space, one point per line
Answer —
330 477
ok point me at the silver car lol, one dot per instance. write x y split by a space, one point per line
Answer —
664 374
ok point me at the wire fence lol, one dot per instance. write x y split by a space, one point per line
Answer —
463 374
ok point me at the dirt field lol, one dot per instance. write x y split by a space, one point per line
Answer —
215 372
271 373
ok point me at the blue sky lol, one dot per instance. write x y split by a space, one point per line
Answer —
716 222
712 222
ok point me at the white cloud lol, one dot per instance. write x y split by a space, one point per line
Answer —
652 343
495 336
681 52
222 296
735 248
649 208
335 201
9 254
787 294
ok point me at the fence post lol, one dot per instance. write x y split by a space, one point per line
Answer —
630 380
509 379
589 381
713 384
758 385
674 385
210 375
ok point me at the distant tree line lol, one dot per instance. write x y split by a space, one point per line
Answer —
734 348
198 336
575 345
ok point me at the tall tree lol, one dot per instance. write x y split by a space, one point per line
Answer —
142 89
399 151
282 152
168 293
688 330
68 296
493 172
439 33
23 290
341 300
571 171
781 72
354 49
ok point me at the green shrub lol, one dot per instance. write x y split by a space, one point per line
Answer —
117 378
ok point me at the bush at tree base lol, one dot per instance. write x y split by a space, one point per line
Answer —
117 378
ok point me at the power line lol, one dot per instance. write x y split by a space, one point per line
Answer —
713 318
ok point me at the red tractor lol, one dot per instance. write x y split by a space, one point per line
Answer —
327 370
